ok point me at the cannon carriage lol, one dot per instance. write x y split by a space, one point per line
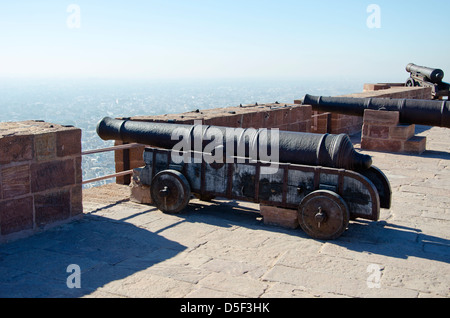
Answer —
421 76
322 177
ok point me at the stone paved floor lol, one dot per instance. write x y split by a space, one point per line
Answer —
224 250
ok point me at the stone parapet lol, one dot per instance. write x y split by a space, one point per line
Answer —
40 177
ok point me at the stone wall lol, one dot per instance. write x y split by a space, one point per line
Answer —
40 177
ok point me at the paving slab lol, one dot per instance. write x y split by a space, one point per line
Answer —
223 249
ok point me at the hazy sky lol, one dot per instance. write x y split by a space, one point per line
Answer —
223 39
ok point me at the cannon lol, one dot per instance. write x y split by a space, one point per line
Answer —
321 177
421 76
334 151
412 111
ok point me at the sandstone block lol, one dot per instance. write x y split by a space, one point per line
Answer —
416 145
45 146
403 132
381 144
16 215
381 117
52 207
278 216
51 175
16 181
68 142
16 148
381 132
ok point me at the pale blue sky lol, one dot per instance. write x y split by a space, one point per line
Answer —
223 39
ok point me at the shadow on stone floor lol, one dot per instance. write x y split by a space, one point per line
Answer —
36 267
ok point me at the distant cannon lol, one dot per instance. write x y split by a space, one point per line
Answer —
321 177
412 111
421 76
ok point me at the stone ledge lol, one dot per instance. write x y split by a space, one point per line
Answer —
40 177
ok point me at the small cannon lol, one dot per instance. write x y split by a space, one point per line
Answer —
322 177
421 76
412 111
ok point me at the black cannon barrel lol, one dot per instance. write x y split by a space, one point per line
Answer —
434 75
335 151
412 111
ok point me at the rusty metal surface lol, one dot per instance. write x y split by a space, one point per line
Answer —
334 151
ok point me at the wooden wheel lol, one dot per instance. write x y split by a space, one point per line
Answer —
410 83
170 191
323 215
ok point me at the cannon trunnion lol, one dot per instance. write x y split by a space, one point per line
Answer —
325 190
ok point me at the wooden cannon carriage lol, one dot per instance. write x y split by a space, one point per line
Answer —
326 197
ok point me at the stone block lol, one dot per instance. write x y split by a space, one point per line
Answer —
234 121
16 181
304 126
137 154
278 216
379 117
283 117
68 142
52 207
403 132
388 145
381 132
301 113
16 148
256 120
76 200
416 145
52 175
45 146
269 119
16 215
375 87
78 170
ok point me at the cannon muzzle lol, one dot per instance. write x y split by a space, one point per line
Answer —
434 75
412 111
335 151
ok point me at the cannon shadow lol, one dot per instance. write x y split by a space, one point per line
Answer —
105 251
380 237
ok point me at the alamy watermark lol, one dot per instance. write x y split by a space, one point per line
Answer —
74 279
256 145
374 19
74 19
374 279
